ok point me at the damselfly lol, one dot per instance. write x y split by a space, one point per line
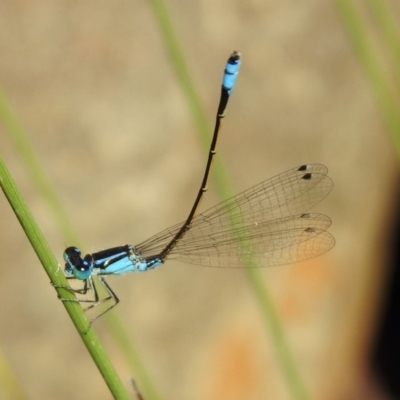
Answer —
265 225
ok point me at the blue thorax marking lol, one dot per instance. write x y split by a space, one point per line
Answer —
114 261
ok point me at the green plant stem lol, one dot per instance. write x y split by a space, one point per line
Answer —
56 276
10 387
36 171
369 58
388 26
276 330
270 315
182 73
131 353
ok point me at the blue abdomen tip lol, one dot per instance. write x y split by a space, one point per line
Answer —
231 70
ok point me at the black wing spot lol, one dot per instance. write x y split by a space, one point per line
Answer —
303 168
310 230
307 177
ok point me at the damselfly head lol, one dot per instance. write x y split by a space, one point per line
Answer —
75 265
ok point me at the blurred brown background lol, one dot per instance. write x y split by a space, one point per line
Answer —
92 85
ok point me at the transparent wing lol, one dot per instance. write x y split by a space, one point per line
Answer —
262 226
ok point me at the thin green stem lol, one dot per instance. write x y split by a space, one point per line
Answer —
56 276
369 58
182 73
274 325
388 26
10 387
127 345
270 315
36 171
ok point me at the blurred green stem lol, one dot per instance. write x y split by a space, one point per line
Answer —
225 191
369 58
388 26
38 175
181 70
10 387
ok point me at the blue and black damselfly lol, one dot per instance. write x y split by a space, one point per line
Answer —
265 225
